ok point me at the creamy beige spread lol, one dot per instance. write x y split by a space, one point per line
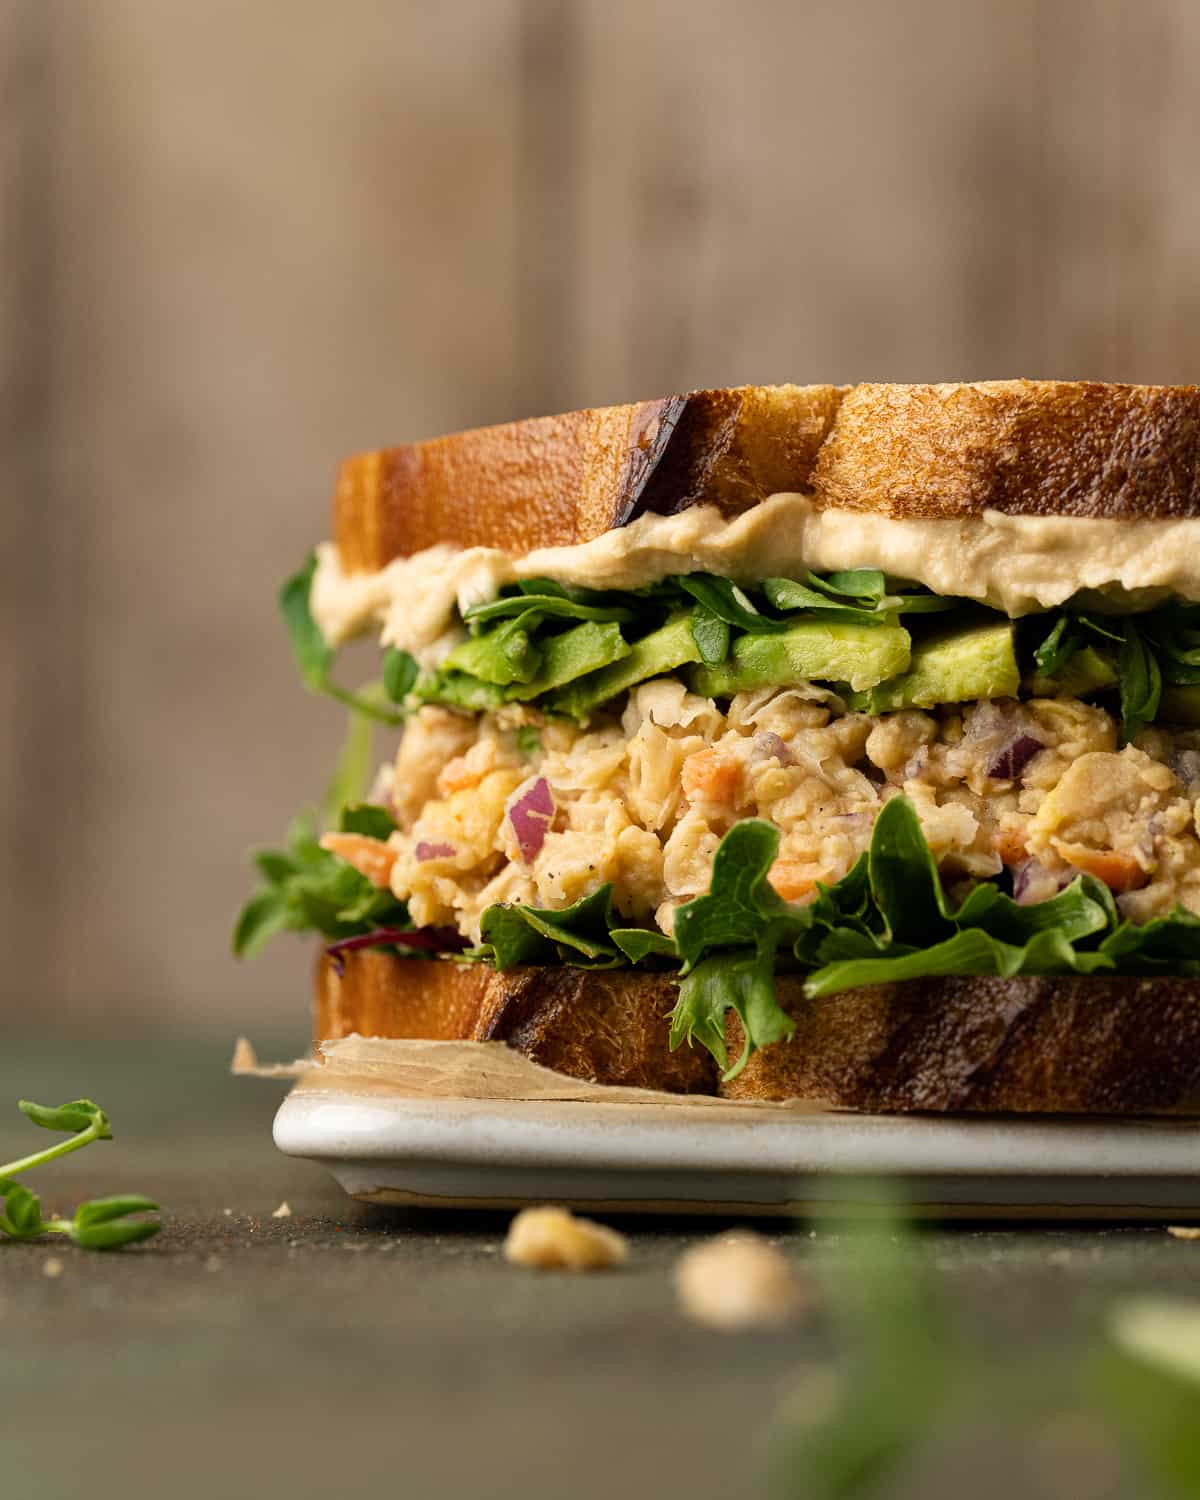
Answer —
1018 564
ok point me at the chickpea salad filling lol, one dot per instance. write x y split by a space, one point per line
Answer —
841 775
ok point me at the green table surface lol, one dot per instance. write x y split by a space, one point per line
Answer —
345 1350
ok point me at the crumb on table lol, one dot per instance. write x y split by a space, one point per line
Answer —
554 1239
739 1280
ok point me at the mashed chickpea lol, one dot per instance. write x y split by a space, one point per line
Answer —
643 799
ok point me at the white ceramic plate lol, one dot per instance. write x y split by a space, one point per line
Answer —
638 1158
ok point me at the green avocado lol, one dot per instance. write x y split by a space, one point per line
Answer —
954 667
664 650
1087 671
861 655
1179 705
572 655
458 691
503 655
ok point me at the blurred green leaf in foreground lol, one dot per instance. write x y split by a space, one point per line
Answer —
845 1432
904 1383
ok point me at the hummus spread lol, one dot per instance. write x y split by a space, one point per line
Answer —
1018 564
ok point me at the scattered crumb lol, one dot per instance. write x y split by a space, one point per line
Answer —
282 1212
553 1239
1184 1231
228 1212
739 1280
245 1064
213 1263
52 1267
245 1059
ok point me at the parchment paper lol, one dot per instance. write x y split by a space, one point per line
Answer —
463 1070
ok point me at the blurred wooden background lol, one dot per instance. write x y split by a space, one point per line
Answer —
240 238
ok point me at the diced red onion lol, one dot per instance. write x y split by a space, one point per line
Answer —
425 851
1012 759
916 763
1186 765
531 815
770 746
990 717
1032 883
428 939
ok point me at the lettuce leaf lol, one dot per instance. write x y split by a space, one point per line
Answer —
1151 648
314 655
304 888
743 982
1140 681
887 920
539 635
579 934
740 902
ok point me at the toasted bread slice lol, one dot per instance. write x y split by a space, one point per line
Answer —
554 481
1041 447
607 1026
1066 1045
1045 1046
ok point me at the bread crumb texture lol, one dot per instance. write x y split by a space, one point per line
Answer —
552 1239
739 1280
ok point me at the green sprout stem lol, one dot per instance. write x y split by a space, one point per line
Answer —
99 1224
93 1132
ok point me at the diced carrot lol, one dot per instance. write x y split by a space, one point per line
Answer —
1010 846
370 857
792 879
1119 872
709 776
456 776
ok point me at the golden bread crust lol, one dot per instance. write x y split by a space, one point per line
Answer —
1066 1045
1039 447
1046 1046
587 1024
554 481
1025 447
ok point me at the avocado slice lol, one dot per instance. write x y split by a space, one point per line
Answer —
573 654
861 655
1179 705
1087 671
663 650
458 690
954 667
503 655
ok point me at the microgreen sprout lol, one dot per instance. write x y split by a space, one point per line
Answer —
100 1223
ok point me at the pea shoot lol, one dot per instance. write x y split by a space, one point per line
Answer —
100 1223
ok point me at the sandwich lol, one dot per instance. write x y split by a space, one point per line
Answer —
788 742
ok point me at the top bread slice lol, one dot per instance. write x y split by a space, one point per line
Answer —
1036 447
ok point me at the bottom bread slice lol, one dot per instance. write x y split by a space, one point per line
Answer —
1064 1045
